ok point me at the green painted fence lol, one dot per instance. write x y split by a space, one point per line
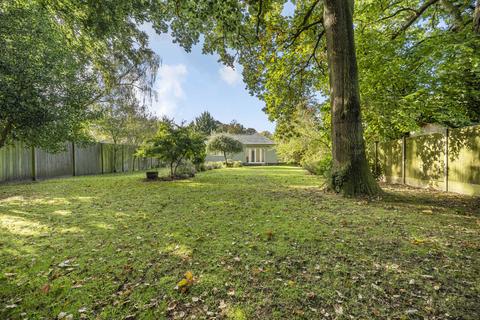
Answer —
18 162
448 161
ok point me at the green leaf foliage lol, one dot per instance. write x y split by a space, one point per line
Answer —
173 144
225 144
45 81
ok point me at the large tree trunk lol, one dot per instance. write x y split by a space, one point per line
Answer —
5 132
350 171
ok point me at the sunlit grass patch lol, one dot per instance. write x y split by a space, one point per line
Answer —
21 226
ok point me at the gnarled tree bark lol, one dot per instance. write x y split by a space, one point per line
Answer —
350 172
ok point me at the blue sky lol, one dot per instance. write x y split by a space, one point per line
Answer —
189 83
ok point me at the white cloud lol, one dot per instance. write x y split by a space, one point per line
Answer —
170 88
230 75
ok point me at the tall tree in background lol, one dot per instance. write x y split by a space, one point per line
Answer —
205 123
57 64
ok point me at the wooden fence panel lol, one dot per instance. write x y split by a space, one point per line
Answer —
108 164
448 161
15 163
425 156
20 163
88 159
464 160
390 160
142 163
54 164
128 157
117 155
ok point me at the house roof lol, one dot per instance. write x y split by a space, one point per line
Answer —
255 138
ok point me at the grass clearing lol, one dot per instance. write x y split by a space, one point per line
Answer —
261 243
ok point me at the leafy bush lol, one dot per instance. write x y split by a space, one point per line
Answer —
306 141
210 165
237 164
174 144
319 164
186 170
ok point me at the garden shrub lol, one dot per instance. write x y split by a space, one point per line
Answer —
214 165
186 169
237 164
319 164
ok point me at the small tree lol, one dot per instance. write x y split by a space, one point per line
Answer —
225 144
174 144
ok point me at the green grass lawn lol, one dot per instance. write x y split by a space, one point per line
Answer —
261 243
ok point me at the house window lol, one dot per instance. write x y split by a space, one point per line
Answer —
255 155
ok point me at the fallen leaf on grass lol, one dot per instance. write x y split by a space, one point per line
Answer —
338 309
222 305
65 316
418 241
269 235
45 288
411 311
172 305
185 284
67 264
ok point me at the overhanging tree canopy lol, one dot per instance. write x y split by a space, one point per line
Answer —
286 55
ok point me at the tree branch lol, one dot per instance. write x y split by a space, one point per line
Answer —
302 27
301 30
414 18
455 12
312 56
476 18
260 7
396 13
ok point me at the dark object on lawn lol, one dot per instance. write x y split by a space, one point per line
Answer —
152 175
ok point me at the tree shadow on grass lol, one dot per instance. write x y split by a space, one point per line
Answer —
427 199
